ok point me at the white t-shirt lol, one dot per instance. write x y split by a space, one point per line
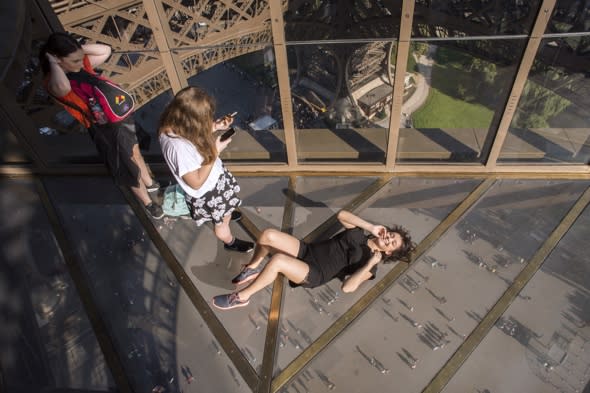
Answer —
182 157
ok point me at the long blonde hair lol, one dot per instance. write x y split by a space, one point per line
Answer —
190 115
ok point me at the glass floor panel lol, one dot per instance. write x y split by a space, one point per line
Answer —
408 334
318 198
402 338
417 204
545 333
47 339
158 335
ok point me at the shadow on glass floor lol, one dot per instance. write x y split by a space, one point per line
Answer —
160 338
47 340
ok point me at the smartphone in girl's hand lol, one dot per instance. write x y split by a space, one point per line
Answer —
227 134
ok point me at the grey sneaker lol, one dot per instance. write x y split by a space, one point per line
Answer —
155 210
239 246
247 274
229 301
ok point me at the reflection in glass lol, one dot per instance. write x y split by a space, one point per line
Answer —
473 18
10 150
543 332
47 340
552 121
328 20
570 16
50 118
247 84
56 136
129 25
454 98
342 99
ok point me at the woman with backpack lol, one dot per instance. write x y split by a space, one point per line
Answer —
102 107
191 148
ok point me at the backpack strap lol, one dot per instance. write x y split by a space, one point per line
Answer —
73 106
84 76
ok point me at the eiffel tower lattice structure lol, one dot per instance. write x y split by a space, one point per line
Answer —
200 33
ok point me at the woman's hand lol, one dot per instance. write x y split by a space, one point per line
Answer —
97 53
223 123
363 274
219 145
52 59
58 83
375 258
378 231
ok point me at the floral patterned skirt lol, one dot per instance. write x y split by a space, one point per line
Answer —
217 203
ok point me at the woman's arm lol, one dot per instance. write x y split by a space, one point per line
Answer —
195 179
97 53
349 221
58 83
351 283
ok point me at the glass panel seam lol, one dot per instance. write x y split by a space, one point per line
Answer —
519 81
274 315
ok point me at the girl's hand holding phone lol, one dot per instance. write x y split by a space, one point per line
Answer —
228 134
224 122
221 144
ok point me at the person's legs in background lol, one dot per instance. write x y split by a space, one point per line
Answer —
145 174
231 243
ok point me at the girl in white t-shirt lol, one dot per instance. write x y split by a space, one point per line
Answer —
191 150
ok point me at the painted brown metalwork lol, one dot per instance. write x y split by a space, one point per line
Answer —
191 42
520 80
398 85
274 315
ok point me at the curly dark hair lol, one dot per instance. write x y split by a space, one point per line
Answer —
404 253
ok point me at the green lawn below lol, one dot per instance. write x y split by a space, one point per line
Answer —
443 111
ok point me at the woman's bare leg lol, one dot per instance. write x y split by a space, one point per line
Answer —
223 231
291 267
272 240
144 172
142 194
